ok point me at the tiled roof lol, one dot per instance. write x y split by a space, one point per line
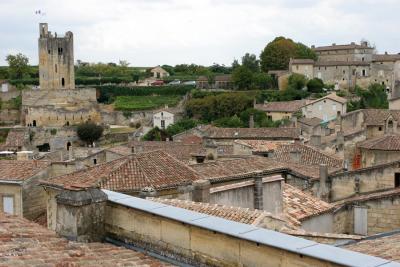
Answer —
369 196
386 142
20 170
386 57
310 121
238 168
340 47
15 138
243 215
183 152
190 139
378 116
253 133
299 205
282 106
155 169
341 63
383 246
307 155
302 61
331 96
25 243
262 145
122 150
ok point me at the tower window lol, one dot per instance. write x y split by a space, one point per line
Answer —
62 82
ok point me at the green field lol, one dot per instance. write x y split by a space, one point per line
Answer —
144 102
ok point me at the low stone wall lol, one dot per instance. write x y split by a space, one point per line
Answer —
203 240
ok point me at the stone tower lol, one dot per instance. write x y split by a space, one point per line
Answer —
56 60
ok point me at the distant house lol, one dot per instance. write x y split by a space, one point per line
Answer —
159 73
326 108
281 110
19 191
4 86
219 82
162 119
379 150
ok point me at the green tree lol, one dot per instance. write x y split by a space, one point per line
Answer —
251 62
262 80
181 126
210 79
315 85
89 132
235 64
155 134
229 122
18 66
374 97
242 77
297 81
276 54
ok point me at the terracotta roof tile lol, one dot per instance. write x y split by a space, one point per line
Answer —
282 106
262 145
386 142
299 205
253 133
369 196
155 169
386 247
25 243
19 170
310 121
307 155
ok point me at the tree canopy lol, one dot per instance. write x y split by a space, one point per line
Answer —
18 66
89 132
276 54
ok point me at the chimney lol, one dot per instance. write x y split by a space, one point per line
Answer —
295 156
147 191
201 191
323 190
339 122
273 194
258 192
251 121
80 214
315 140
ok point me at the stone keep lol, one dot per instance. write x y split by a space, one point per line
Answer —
56 60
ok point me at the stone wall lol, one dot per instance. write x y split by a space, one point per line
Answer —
191 244
12 93
33 196
59 98
10 116
56 137
15 190
323 223
371 179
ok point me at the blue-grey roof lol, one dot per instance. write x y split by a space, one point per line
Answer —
251 233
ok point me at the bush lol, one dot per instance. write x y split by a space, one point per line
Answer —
89 132
315 85
181 126
230 122
127 103
297 81
155 134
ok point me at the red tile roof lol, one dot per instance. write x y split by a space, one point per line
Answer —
253 133
308 155
386 143
25 243
282 106
155 169
20 170
262 145
369 196
383 246
299 205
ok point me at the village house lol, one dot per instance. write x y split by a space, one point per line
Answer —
164 118
282 110
217 82
19 191
159 73
326 108
312 126
379 150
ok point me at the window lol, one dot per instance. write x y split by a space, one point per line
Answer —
364 73
362 59
94 161
62 82
344 72
56 68
380 128
360 220
162 124
8 204
297 67
60 50
397 179
334 107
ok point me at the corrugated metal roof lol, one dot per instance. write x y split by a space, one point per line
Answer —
252 233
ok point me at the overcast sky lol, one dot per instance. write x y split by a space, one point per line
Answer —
156 32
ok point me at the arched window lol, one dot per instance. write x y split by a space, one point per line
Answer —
68 145
34 123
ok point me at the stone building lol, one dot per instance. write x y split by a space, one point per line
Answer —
56 60
159 73
345 66
326 108
379 150
58 103
282 109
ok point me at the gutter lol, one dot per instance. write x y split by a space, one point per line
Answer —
10 182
